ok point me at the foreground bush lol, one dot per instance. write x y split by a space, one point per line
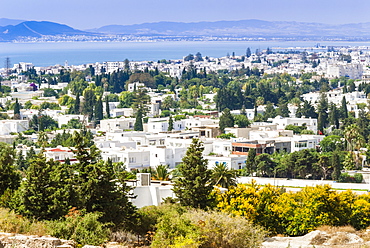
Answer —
296 213
12 223
83 229
197 228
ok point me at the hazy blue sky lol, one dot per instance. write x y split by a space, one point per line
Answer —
85 14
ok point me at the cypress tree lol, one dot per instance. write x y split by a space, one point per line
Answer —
99 109
343 108
170 124
107 110
193 188
17 109
76 107
139 121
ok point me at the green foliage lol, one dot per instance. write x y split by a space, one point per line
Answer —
241 120
192 187
9 177
222 176
44 194
346 178
83 229
226 120
48 92
296 129
161 173
226 136
73 124
331 143
197 228
296 213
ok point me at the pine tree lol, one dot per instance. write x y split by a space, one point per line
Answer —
9 177
192 188
170 124
41 194
97 187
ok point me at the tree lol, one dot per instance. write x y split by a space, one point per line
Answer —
226 120
17 109
107 110
43 195
9 177
343 108
336 165
322 109
353 137
97 187
248 52
138 126
265 165
331 143
241 120
89 103
334 115
222 176
75 108
192 188
170 124
99 109
250 165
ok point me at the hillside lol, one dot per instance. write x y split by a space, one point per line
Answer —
36 29
244 28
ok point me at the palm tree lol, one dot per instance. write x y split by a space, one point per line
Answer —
353 137
161 173
222 176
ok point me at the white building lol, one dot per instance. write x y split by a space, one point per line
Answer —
282 122
232 162
121 124
13 126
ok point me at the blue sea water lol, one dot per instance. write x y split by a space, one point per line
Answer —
76 53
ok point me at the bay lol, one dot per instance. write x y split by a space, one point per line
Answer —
76 53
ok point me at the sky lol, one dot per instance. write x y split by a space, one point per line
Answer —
83 14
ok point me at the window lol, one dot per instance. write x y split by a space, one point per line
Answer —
132 159
301 144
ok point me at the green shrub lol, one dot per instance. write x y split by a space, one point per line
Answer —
83 229
358 177
198 228
13 223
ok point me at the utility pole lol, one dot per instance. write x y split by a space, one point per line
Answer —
7 66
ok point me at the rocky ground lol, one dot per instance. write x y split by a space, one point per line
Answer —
321 239
11 240
324 238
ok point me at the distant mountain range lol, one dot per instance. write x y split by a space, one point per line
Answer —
15 29
245 28
37 30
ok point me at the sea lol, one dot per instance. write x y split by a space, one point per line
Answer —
77 53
